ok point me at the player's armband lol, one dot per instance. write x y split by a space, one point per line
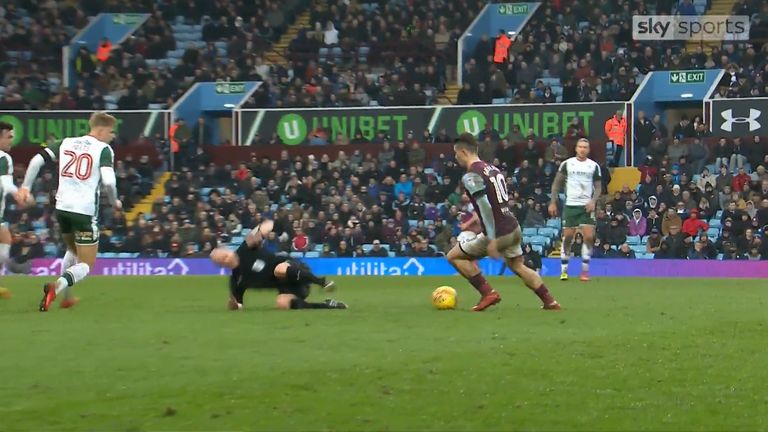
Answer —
48 155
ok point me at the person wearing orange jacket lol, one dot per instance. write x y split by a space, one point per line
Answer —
102 52
501 50
616 130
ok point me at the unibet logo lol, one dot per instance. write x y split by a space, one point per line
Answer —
471 121
18 128
292 129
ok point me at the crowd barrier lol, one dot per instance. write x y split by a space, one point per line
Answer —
426 267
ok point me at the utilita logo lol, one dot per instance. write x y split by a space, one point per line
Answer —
112 267
380 268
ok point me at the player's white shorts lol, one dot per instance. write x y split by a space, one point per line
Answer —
509 246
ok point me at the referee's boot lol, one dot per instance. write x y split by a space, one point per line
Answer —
328 286
333 304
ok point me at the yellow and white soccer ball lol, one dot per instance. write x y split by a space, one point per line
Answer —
444 298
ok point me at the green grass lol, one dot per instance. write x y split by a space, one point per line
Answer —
163 353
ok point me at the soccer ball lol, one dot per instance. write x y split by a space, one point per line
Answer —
444 298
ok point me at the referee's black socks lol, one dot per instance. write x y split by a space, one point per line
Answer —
302 275
298 303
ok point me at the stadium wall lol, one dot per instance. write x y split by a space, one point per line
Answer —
426 267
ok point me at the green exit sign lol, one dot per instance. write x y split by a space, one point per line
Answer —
227 88
513 9
687 77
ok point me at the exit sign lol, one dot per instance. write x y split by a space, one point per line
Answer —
513 9
687 77
227 88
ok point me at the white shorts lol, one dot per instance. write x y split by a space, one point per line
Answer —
509 246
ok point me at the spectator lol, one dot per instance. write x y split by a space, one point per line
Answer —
638 224
693 225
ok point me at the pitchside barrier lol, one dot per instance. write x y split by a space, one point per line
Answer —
426 267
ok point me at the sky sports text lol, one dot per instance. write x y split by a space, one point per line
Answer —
686 28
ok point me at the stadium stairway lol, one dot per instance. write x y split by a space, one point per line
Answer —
277 55
621 176
451 94
719 7
145 206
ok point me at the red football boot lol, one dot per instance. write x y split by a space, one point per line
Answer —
585 277
487 301
49 295
69 302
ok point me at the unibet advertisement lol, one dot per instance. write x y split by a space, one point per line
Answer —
545 120
33 128
293 126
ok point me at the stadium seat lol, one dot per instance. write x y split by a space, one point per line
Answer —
549 232
318 248
529 232
554 223
538 248
713 232
311 254
715 223
297 255
634 240
367 248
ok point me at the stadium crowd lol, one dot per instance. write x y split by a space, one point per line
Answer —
395 202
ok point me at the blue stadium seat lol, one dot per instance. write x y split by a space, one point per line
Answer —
539 240
639 249
715 223
318 248
392 254
549 232
297 255
538 248
367 248
633 240
529 232
719 214
554 223
713 232
412 222
311 254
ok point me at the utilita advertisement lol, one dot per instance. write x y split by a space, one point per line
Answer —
424 267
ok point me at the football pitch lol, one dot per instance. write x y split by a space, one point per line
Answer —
163 353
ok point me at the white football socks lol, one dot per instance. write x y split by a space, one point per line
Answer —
73 275
586 254
70 259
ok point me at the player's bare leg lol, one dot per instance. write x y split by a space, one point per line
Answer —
588 231
533 281
565 252
5 253
467 266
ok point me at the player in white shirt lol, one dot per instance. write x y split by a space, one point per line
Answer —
85 164
583 186
6 183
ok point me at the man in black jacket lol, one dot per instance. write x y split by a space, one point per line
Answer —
644 130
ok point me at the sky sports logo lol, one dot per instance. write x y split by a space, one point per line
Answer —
687 28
